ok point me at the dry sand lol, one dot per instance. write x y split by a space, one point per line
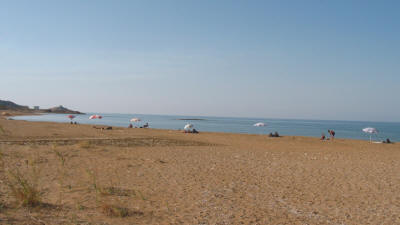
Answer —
168 177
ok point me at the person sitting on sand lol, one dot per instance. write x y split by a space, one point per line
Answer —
276 134
323 137
146 125
130 126
387 141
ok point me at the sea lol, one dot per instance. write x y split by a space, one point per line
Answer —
285 127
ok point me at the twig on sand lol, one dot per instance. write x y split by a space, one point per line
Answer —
37 221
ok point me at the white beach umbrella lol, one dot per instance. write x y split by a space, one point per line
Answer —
135 120
260 125
370 131
188 126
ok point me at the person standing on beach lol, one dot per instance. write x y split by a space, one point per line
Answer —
331 134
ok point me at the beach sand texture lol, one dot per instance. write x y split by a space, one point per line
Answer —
149 176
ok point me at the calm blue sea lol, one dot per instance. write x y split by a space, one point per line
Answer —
314 128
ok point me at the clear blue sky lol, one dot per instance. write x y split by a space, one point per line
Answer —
275 59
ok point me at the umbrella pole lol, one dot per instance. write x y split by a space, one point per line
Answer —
370 138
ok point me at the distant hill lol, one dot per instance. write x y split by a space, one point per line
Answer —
9 105
61 109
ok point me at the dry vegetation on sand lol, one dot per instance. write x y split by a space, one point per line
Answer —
73 174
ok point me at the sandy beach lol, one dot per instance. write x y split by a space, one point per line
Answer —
149 176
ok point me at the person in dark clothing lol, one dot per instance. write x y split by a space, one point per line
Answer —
387 141
275 134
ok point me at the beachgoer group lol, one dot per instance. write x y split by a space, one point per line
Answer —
331 135
146 125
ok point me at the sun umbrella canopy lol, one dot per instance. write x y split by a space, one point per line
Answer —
370 130
188 126
135 120
260 125
95 117
71 116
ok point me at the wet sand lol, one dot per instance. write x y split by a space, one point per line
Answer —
168 177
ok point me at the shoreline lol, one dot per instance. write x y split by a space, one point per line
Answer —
180 130
17 114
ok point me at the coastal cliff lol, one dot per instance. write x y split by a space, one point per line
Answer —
9 105
61 110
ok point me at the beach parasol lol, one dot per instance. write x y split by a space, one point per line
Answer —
135 120
95 117
71 117
370 131
188 126
260 125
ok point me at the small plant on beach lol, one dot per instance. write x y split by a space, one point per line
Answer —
111 190
100 191
23 182
1 161
114 187
104 190
61 173
2 206
102 194
61 157
80 207
93 185
114 211
2 130
24 187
